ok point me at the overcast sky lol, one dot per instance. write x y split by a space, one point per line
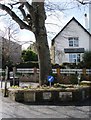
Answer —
78 12
54 22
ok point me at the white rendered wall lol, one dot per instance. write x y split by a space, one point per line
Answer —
61 41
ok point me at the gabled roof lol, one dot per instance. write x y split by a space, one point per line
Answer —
53 40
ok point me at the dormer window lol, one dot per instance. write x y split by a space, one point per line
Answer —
73 42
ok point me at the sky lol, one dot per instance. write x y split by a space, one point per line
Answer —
64 17
54 22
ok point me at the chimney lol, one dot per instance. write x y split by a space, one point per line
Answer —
90 17
86 21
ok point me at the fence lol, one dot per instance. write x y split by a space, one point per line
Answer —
31 70
1 72
63 71
63 75
55 71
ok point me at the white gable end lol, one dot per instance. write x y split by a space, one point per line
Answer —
72 30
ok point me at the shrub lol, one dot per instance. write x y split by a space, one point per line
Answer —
27 65
73 79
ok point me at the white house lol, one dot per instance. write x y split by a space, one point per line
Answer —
70 43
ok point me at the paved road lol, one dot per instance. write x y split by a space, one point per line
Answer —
11 109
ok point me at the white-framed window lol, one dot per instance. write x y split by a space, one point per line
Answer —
74 58
73 41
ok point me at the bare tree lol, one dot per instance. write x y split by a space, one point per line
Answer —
84 2
34 20
9 34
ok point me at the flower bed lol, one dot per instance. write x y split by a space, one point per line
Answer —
49 94
86 83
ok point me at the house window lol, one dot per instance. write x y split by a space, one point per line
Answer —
74 58
73 42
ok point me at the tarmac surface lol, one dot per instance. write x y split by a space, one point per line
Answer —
11 109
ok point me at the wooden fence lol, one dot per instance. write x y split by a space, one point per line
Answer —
55 71
62 71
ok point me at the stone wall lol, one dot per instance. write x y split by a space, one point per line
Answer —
54 96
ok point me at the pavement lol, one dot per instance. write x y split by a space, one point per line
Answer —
12 109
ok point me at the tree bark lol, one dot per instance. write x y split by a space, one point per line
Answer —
44 58
42 43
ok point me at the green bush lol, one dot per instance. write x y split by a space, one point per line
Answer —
27 65
29 55
55 66
73 79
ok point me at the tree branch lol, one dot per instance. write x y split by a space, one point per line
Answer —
15 17
22 10
30 10
13 4
84 2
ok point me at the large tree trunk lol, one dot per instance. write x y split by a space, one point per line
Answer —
42 43
44 58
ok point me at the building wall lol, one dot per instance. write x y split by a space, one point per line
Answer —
90 18
11 49
0 54
52 54
61 41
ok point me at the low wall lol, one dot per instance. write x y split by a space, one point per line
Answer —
55 95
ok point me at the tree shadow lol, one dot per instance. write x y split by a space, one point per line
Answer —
86 102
